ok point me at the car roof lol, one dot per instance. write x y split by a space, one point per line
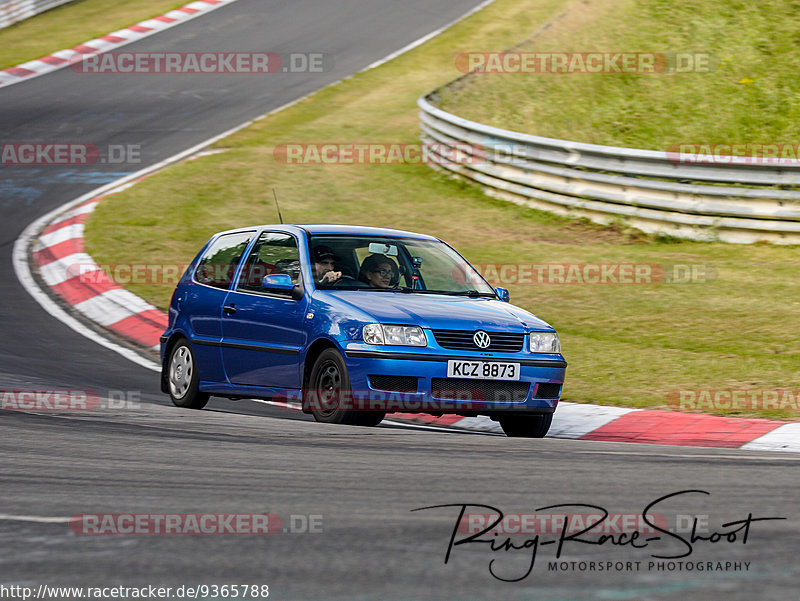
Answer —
320 228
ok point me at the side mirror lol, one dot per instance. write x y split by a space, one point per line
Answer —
281 283
503 294
278 282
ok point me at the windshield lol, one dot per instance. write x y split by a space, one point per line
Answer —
378 263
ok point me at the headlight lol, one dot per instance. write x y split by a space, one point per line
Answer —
375 333
544 342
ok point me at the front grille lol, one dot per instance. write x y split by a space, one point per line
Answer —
492 391
547 390
394 383
461 340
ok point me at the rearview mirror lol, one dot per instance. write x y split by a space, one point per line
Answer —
383 249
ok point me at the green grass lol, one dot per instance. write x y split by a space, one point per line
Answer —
72 24
626 345
751 94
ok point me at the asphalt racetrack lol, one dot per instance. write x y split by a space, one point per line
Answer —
341 499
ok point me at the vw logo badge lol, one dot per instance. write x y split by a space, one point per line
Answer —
481 339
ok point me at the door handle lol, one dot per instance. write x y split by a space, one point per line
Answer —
229 309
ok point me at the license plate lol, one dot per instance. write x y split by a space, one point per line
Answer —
483 370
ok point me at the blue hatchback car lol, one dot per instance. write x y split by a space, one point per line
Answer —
355 323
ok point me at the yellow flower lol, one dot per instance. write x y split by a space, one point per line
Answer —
745 80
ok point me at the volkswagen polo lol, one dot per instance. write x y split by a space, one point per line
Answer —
354 323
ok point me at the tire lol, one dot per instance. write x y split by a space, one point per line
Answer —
329 378
369 418
182 378
526 426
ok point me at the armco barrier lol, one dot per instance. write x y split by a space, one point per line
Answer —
12 11
646 189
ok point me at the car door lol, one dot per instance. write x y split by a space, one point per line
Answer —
202 302
262 332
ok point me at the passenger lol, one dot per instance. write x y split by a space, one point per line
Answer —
379 271
324 263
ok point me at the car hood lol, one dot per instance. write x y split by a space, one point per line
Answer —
440 311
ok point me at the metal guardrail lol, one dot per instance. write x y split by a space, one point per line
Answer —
646 189
12 11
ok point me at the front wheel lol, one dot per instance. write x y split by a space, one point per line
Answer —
369 418
526 426
329 393
183 379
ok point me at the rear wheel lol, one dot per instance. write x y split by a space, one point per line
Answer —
526 426
329 393
183 379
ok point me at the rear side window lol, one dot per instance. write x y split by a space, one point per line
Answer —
218 264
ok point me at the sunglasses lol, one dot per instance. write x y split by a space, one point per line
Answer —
382 272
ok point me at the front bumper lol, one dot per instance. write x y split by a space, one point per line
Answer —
537 391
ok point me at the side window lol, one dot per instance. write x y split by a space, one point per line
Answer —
273 253
218 264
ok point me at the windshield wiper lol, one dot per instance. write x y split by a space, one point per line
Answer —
470 293
371 289
409 290
406 290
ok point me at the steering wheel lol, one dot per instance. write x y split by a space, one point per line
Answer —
347 280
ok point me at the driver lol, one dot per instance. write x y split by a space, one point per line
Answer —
324 260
